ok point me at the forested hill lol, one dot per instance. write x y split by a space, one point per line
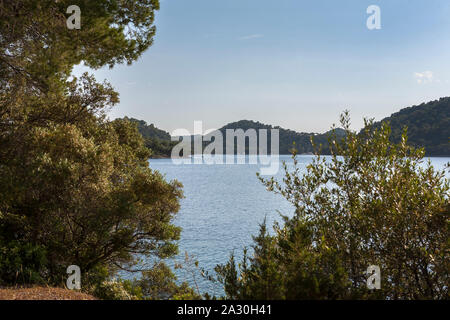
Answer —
149 130
428 126
288 137
157 140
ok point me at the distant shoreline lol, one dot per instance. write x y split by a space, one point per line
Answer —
287 154
160 157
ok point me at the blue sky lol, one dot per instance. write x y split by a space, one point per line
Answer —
292 63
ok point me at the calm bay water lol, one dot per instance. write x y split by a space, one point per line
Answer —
222 209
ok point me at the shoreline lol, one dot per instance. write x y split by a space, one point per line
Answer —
161 157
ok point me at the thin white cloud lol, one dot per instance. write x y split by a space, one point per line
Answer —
251 36
424 77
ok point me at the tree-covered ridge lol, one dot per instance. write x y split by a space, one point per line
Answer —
289 139
428 126
157 140
149 130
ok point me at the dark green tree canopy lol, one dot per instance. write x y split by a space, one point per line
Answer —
34 34
428 126
75 188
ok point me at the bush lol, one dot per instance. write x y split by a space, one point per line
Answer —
116 289
156 283
22 263
373 203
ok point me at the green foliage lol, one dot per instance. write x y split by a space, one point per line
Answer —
159 148
149 131
156 140
428 126
160 283
75 188
289 140
117 289
20 263
36 43
89 183
157 282
372 203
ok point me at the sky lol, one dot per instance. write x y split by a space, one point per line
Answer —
292 63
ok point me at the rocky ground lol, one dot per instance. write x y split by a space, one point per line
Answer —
42 293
